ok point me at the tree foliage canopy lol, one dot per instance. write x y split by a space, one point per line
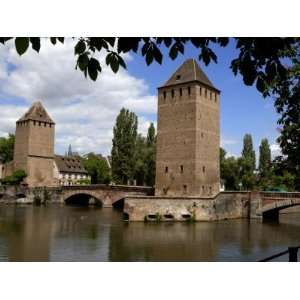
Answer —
14 179
124 147
7 148
97 168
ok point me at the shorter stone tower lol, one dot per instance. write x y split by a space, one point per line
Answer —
34 146
188 135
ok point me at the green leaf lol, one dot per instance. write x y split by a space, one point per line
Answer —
95 64
157 54
173 52
21 44
83 61
114 64
35 43
260 85
92 70
80 47
167 41
145 49
149 58
121 62
108 58
53 40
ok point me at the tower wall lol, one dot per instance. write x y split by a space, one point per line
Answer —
34 151
188 141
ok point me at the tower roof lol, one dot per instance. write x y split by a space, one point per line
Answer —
36 112
189 71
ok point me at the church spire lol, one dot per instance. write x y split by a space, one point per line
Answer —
70 153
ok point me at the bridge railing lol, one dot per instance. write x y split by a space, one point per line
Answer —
281 195
291 251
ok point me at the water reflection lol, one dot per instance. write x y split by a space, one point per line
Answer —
62 233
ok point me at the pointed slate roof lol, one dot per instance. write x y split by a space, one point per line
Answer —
189 71
36 112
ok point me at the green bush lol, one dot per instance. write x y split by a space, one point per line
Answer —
84 181
14 179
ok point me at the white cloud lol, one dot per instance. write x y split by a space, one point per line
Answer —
275 150
225 141
84 111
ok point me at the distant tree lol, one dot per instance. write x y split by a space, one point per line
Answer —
222 162
264 158
265 164
97 168
283 174
140 172
7 148
124 147
151 156
229 169
15 179
247 163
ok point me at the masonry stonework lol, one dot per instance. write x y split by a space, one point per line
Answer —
188 135
34 146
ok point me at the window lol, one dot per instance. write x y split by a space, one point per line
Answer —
210 95
166 169
33 123
200 91
165 94
40 123
181 169
210 190
178 77
172 93
189 91
180 92
203 169
202 134
205 93
203 189
184 188
45 124
215 97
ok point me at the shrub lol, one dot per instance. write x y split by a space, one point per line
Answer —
14 179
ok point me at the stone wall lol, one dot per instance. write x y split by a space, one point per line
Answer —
227 205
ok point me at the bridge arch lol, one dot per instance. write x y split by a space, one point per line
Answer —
82 199
271 211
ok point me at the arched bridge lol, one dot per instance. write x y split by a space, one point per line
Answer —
273 202
102 194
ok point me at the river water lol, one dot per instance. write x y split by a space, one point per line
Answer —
68 233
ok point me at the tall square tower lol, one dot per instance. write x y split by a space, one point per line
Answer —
34 146
188 134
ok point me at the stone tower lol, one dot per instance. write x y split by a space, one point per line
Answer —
34 146
188 135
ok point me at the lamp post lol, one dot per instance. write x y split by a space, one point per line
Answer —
240 185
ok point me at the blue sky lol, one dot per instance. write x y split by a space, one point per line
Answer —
85 111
